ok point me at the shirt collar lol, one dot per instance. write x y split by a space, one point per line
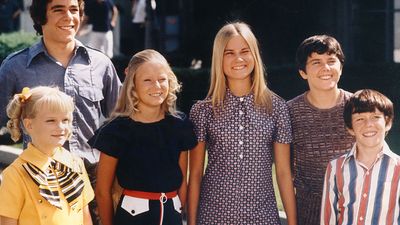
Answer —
385 151
34 156
39 48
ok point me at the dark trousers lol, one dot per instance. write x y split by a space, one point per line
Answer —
151 217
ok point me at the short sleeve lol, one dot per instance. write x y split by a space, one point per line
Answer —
189 139
199 115
283 131
106 140
11 193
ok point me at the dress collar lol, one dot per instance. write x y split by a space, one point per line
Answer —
34 156
244 98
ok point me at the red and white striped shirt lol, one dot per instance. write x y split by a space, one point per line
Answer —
354 194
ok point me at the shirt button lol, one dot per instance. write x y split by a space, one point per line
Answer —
361 218
241 112
133 211
241 127
365 195
241 99
240 142
40 201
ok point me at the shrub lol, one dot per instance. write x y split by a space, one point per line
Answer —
15 41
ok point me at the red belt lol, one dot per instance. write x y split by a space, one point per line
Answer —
150 195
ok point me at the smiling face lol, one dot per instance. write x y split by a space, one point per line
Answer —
369 129
322 71
49 130
151 85
238 62
63 20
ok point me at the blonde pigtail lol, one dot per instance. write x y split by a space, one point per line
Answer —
14 111
13 128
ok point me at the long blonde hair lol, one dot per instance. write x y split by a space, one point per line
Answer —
30 101
218 84
128 100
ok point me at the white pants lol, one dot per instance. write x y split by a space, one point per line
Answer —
102 41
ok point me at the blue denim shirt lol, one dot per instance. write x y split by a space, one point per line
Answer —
90 79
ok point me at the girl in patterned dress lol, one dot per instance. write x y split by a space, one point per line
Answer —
245 127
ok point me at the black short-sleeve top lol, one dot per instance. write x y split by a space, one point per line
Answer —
147 153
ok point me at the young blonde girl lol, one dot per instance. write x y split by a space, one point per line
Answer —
46 184
243 125
144 145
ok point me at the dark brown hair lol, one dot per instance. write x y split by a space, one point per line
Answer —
367 100
320 44
38 11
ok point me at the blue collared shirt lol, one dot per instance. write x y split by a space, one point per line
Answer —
90 79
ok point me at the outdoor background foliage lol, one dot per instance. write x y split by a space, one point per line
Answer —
15 41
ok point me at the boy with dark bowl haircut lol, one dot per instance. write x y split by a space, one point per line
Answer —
362 186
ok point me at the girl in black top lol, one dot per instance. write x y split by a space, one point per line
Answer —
145 146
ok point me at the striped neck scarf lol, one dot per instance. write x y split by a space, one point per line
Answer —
56 176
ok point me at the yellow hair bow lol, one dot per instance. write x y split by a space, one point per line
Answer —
25 94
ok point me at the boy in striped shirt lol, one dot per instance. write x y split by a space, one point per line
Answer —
362 186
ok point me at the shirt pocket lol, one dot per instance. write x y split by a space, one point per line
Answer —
135 206
88 102
91 93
